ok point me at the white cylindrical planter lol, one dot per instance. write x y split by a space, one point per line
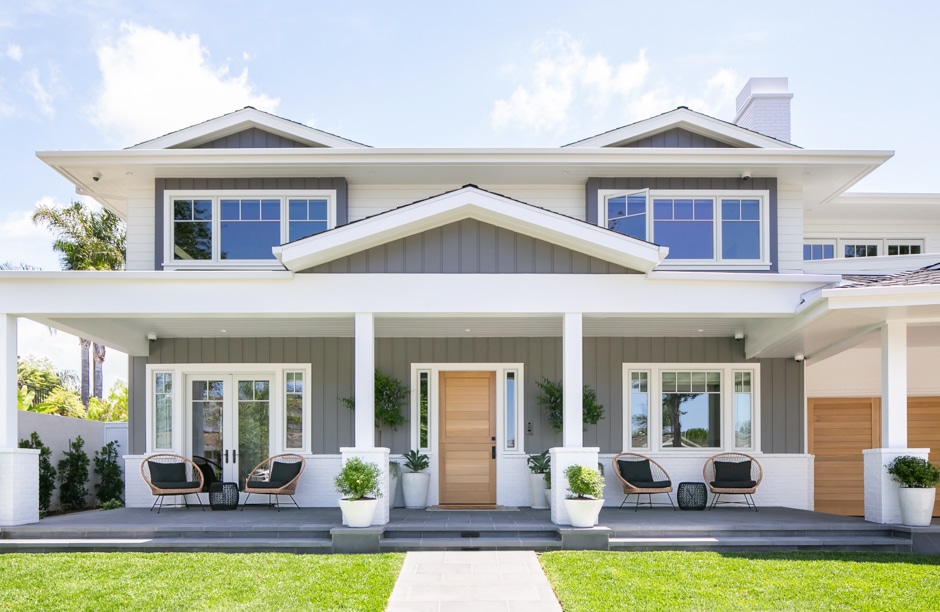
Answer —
358 513
537 492
392 489
583 512
415 485
916 505
548 498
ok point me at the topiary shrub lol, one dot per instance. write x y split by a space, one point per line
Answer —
73 476
551 400
110 481
358 479
914 472
47 472
584 482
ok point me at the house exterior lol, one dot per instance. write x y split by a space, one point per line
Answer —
681 261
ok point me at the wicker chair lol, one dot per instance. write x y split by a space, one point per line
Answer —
169 474
733 474
277 475
641 476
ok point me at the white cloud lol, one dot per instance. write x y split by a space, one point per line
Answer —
14 53
567 85
39 93
156 82
19 224
564 74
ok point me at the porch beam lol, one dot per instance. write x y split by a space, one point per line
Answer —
8 418
894 384
572 380
365 380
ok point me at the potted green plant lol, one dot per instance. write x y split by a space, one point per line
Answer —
918 479
416 482
586 498
550 399
358 483
539 465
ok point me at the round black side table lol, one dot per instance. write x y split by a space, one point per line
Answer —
691 495
223 495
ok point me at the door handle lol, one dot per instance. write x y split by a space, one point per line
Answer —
226 456
493 448
234 455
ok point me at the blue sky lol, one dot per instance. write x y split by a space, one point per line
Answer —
107 74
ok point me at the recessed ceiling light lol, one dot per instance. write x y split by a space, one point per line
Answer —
223 330
466 330
701 330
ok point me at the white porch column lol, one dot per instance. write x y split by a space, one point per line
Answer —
572 434
365 380
894 384
19 468
7 381
881 493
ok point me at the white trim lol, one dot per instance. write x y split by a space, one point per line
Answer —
241 120
690 121
471 202
503 456
181 426
716 195
654 414
216 195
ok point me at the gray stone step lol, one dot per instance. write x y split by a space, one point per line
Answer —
404 544
836 543
187 544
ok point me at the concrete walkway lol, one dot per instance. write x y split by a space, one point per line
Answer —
470 581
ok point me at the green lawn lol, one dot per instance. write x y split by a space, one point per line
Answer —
197 581
673 581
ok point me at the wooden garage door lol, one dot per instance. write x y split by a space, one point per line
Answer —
923 429
839 430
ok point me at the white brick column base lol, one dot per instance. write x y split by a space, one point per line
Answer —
881 493
19 486
562 458
379 456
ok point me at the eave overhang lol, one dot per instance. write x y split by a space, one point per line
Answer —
471 203
822 174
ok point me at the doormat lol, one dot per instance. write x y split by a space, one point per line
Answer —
476 508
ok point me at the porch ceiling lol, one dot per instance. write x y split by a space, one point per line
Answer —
128 333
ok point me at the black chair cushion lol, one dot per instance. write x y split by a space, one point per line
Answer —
734 484
635 471
284 472
189 484
267 484
732 470
168 473
655 484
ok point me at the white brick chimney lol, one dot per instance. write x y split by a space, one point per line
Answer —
764 106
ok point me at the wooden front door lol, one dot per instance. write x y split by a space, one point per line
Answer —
839 430
467 439
923 430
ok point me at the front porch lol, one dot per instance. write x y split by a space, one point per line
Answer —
319 530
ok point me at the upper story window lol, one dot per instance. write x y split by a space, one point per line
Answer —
701 228
851 248
240 228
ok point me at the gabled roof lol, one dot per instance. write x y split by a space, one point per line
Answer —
244 119
689 120
471 202
928 275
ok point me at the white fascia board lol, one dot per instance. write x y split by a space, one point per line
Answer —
241 120
891 199
882 297
758 277
267 295
474 204
687 120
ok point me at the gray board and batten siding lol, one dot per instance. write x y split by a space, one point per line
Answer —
333 362
677 138
666 183
254 138
469 247
213 185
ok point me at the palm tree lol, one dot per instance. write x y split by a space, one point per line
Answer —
85 240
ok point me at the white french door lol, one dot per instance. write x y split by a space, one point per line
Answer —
230 421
